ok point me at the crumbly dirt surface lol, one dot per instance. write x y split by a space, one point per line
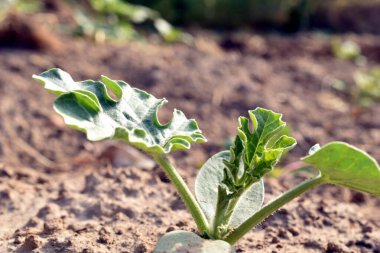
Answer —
61 193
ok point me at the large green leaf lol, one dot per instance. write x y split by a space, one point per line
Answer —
206 190
188 242
131 116
346 165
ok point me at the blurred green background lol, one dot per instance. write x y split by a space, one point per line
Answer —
103 20
131 19
287 14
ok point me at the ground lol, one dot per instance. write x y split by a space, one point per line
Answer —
62 193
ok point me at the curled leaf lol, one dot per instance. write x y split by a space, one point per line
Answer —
131 117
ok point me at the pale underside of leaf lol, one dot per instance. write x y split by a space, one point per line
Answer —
206 191
188 242
131 117
345 165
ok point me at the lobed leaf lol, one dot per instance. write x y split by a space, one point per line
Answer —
345 165
131 117
188 242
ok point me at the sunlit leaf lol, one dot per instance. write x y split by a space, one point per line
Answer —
345 165
130 117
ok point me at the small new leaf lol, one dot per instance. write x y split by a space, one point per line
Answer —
254 153
237 190
259 150
131 117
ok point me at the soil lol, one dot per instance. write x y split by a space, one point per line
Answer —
61 193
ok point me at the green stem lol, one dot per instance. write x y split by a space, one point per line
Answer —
185 193
224 209
270 208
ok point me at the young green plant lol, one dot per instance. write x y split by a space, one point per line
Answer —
229 189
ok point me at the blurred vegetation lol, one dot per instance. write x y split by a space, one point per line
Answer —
133 19
289 14
221 12
25 6
116 19
367 82
368 86
101 20
346 50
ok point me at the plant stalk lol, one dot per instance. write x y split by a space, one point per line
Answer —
224 209
185 193
270 208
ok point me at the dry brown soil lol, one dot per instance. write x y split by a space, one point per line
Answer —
61 193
